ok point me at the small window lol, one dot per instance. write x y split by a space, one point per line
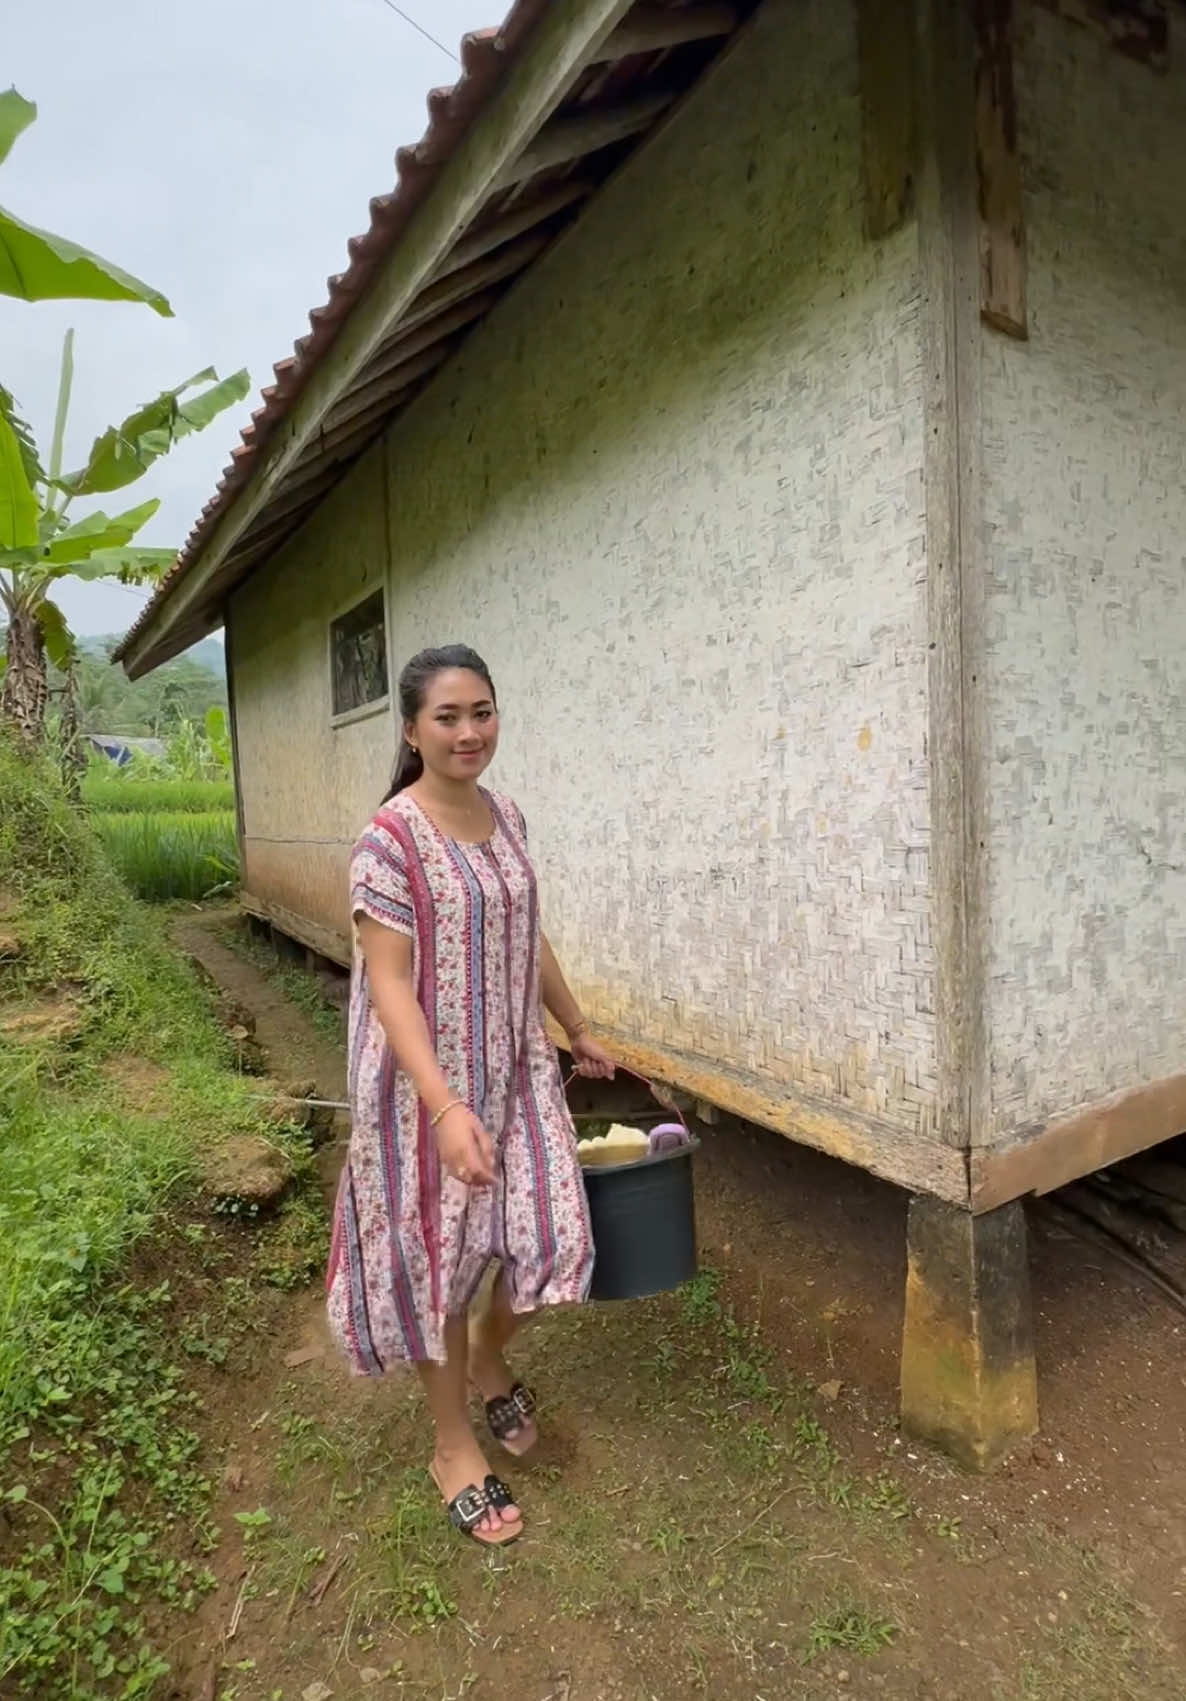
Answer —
358 655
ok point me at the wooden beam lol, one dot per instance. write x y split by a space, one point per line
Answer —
429 331
294 495
526 216
1079 1145
998 170
1139 29
566 139
345 440
511 258
390 384
957 712
885 44
653 29
568 34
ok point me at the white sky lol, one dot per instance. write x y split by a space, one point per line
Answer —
223 150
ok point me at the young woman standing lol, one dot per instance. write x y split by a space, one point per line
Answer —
462 1150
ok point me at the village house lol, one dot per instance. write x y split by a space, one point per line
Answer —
789 401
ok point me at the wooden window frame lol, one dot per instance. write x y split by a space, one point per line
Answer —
376 705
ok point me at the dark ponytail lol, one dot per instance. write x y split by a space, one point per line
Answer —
413 686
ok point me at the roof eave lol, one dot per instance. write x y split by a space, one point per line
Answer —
566 34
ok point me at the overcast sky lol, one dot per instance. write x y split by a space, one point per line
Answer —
222 150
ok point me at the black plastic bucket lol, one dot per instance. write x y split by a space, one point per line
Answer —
644 1224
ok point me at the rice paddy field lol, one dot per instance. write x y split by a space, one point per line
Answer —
168 839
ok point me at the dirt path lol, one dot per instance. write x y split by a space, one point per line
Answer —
721 1505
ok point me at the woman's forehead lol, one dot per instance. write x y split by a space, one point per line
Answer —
456 688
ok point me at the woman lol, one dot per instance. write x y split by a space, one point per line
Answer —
462 1150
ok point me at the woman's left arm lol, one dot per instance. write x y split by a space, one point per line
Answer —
591 1059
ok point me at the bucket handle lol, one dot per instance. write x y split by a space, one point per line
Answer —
649 1085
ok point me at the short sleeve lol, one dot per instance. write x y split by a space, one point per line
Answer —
379 880
514 817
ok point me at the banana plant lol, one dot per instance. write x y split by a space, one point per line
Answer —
41 543
38 266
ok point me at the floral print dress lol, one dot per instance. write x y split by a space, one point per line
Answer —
410 1243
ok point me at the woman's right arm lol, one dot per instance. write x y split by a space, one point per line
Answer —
465 1147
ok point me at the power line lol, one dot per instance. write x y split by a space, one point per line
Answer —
420 30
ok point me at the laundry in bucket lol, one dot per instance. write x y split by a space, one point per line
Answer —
619 1145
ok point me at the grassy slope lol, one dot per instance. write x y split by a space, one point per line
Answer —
97 1456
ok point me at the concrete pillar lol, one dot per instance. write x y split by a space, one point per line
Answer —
969 1381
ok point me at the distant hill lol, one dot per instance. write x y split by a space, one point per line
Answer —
208 655
181 689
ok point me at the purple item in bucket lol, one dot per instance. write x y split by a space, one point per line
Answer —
668 1137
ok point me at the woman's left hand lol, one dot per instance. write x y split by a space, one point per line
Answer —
592 1061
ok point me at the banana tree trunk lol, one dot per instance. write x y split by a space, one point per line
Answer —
26 689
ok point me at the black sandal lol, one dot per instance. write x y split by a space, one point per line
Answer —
467 1509
506 1413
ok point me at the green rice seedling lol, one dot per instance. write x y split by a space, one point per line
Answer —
171 854
113 793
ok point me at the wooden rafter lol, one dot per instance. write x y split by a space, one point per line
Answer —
566 139
652 29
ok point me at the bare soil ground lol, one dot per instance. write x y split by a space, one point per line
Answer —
722 1504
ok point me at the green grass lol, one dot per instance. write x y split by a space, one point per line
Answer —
115 794
103 1130
171 854
297 983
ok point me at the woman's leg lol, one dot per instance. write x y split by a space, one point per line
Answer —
458 1460
490 1335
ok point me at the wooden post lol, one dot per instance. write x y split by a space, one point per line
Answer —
885 44
969 1381
998 170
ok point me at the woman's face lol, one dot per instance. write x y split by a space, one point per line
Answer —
456 730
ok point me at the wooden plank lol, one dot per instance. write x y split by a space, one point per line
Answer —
326 941
1139 29
566 139
998 170
429 331
458 286
654 29
958 739
388 385
228 654
910 1160
886 55
526 216
1079 1145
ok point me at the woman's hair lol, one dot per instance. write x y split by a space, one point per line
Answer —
413 684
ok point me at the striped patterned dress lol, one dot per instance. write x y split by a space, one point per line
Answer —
411 1244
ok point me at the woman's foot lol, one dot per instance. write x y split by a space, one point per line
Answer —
511 1421
456 1470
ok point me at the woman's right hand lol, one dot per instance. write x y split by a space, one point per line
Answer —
466 1150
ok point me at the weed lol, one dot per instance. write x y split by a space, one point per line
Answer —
851 1630
884 1495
